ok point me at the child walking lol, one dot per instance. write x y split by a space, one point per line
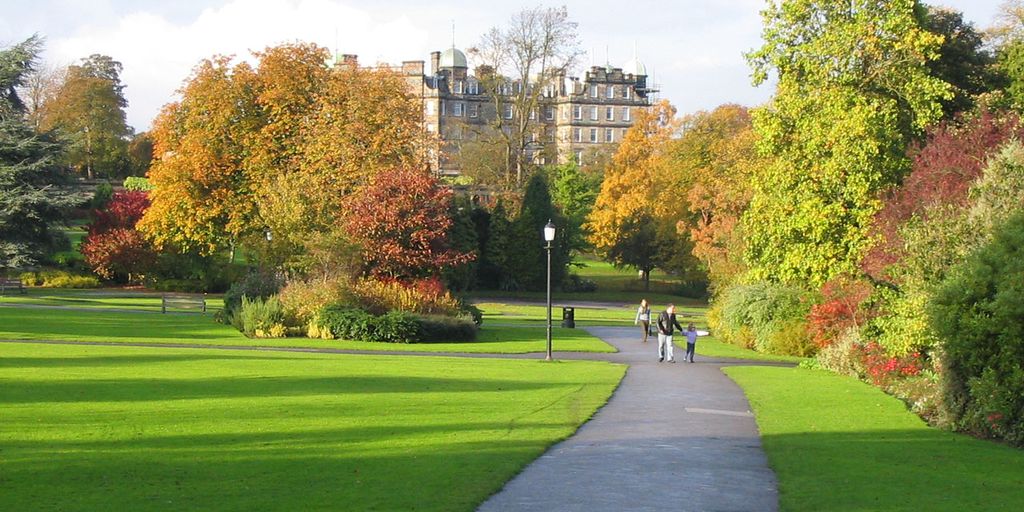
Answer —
691 342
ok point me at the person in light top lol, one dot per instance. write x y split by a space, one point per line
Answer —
691 342
643 317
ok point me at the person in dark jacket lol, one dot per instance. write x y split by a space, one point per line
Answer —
666 324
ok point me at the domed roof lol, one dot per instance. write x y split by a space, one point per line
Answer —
634 67
453 58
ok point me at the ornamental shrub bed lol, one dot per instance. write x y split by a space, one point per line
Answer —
391 327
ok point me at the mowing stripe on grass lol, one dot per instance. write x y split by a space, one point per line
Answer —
123 428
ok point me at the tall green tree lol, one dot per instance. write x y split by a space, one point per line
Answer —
964 60
88 112
495 248
528 267
463 238
853 90
574 192
29 201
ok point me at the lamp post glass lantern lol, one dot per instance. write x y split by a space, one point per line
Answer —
549 236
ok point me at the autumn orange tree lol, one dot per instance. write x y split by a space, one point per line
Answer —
633 220
202 199
712 161
87 110
276 147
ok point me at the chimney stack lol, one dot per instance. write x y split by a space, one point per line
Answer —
435 62
349 61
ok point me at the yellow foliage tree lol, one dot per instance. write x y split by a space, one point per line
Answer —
276 147
202 200
638 196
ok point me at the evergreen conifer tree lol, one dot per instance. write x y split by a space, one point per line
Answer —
30 197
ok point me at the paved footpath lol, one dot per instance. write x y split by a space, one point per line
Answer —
672 437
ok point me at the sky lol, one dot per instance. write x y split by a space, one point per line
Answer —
693 49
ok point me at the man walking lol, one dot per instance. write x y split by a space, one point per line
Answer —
666 322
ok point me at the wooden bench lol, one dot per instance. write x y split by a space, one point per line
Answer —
170 301
11 283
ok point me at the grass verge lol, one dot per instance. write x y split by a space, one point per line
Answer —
123 428
838 444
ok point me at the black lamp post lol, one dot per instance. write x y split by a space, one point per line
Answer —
549 236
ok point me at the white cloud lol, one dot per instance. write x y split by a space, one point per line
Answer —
158 55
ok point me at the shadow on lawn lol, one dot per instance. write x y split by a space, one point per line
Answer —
144 390
335 469
925 469
96 361
74 325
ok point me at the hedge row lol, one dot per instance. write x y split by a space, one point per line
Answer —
393 327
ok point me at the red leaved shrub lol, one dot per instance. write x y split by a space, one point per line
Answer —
884 369
401 220
838 312
113 248
943 169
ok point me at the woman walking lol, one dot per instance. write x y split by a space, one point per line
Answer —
643 317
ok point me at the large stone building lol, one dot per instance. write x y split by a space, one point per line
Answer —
578 118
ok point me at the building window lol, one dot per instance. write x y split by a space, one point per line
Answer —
577 134
549 113
625 92
609 91
506 88
625 114
533 114
608 135
508 111
577 112
518 87
579 158
458 87
430 108
609 113
593 113
593 90
458 108
593 135
624 132
473 87
474 110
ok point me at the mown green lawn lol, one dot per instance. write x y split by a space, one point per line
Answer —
841 445
125 428
108 326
